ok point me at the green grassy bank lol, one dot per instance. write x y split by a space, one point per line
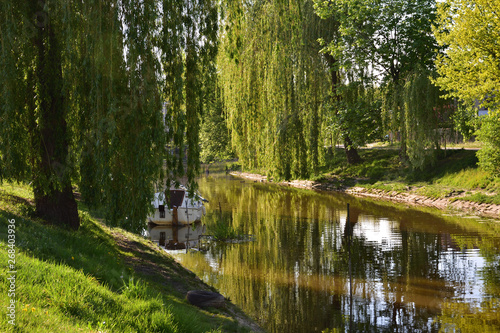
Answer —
454 175
97 279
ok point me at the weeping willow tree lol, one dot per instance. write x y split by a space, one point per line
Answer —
423 104
388 41
274 83
83 89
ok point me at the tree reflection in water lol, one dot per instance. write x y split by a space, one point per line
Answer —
410 270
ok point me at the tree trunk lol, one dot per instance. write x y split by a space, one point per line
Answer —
54 198
350 152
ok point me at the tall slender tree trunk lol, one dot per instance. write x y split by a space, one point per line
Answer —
351 152
54 199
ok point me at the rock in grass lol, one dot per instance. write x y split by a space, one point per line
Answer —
205 299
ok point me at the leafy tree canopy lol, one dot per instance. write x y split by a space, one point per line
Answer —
470 67
83 87
274 83
388 43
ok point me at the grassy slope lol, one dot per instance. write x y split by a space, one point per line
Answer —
454 173
95 279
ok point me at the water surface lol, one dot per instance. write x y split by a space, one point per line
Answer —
313 267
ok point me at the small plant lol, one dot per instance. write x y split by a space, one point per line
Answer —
220 228
135 289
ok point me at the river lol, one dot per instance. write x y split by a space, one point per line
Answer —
315 265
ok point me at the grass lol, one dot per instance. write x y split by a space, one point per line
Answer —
454 174
89 281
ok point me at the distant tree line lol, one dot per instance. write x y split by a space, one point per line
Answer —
296 76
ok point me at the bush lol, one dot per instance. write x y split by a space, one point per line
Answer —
489 155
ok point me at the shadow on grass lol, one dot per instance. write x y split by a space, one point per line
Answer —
88 279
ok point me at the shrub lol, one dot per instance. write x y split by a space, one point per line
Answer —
489 155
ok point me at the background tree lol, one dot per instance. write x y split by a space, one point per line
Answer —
82 93
383 43
215 139
276 85
469 70
422 106
359 110
489 154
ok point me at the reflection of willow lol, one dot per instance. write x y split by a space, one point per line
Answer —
296 273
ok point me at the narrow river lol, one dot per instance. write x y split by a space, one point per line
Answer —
312 267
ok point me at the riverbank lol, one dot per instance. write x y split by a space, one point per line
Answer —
96 279
454 184
451 203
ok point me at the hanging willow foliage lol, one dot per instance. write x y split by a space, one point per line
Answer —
109 70
412 110
423 103
274 82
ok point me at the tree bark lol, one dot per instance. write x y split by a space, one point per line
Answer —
351 153
54 199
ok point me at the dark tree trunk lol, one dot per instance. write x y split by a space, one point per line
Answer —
350 152
54 199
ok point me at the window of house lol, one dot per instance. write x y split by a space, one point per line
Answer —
161 208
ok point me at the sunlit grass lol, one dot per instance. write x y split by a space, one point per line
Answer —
79 281
470 178
455 172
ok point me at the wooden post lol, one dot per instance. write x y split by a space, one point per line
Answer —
175 217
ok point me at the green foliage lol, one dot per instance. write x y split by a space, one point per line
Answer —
358 113
274 82
92 93
422 107
465 120
488 133
388 43
469 70
397 39
215 138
